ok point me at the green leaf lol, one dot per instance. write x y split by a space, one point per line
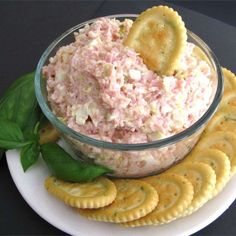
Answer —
29 155
32 133
19 112
33 119
19 103
11 135
63 166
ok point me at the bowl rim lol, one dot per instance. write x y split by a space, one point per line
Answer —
124 146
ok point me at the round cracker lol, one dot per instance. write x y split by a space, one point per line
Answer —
98 193
175 194
228 100
218 161
134 199
159 36
229 80
224 141
223 120
203 179
48 134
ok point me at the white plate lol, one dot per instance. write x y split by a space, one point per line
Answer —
31 187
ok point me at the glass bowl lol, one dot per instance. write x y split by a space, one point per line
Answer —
129 160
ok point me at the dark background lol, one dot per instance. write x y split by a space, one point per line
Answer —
28 27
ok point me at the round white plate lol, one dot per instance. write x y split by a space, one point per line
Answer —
31 187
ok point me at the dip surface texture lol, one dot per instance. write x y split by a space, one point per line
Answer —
102 89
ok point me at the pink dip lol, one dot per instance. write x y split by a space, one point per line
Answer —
104 90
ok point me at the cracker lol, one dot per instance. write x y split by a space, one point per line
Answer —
134 199
224 141
159 36
223 120
218 161
228 99
98 193
229 80
203 179
48 134
175 194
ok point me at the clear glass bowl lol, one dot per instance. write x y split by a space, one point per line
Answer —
129 160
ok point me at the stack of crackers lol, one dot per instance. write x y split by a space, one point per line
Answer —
185 187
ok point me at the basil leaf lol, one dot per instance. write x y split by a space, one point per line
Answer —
33 119
32 133
19 103
11 135
29 155
63 166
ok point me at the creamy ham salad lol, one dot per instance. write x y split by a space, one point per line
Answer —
102 89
